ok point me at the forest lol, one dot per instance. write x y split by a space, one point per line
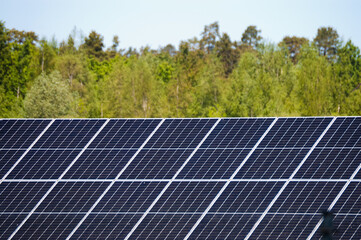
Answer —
207 76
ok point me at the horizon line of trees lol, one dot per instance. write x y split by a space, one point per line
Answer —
209 76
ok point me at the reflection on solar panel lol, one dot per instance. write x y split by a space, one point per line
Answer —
229 178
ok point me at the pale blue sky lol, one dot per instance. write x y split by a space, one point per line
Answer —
159 22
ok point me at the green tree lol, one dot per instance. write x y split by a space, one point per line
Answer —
93 44
49 97
210 36
327 41
293 44
227 52
251 36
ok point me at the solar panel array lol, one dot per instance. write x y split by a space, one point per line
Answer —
229 178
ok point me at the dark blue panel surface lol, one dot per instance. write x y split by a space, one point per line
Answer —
347 227
330 164
295 132
125 133
180 133
8 224
106 226
237 133
72 197
7 159
48 226
225 226
130 197
20 133
68 133
213 163
307 197
272 163
187 197
165 226
156 164
245 197
21 196
281 226
344 132
350 200
99 164
43 164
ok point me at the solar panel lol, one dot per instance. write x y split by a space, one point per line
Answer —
200 178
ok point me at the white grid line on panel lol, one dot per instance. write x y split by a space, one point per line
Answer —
27 150
229 180
288 181
170 182
56 182
335 200
113 181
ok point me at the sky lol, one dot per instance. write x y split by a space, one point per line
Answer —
157 23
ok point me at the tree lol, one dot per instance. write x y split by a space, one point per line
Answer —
94 45
327 41
49 97
209 35
251 37
293 44
227 52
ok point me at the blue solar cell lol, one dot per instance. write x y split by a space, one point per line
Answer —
48 226
20 133
130 197
246 197
180 133
21 196
99 164
307 197
187 197
43 164
330 164
282 226
106 226
350 200
8 224
347 227
125 133
7 159
224 226
344 132
237 133
213 163
165 226
295 132
72 197
74 133
156 164
271 163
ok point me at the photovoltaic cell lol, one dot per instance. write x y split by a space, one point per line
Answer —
74 133
237 133
347 227
7 159
165 226
213 164
246 197
99 164
224 226
8 224
307 197
125 133
156 164
21 196
285 226
295 132
330 164
48 226
187 197
271 163
20 133
72 197
106 226
350 200
130 197
43 164
180 133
